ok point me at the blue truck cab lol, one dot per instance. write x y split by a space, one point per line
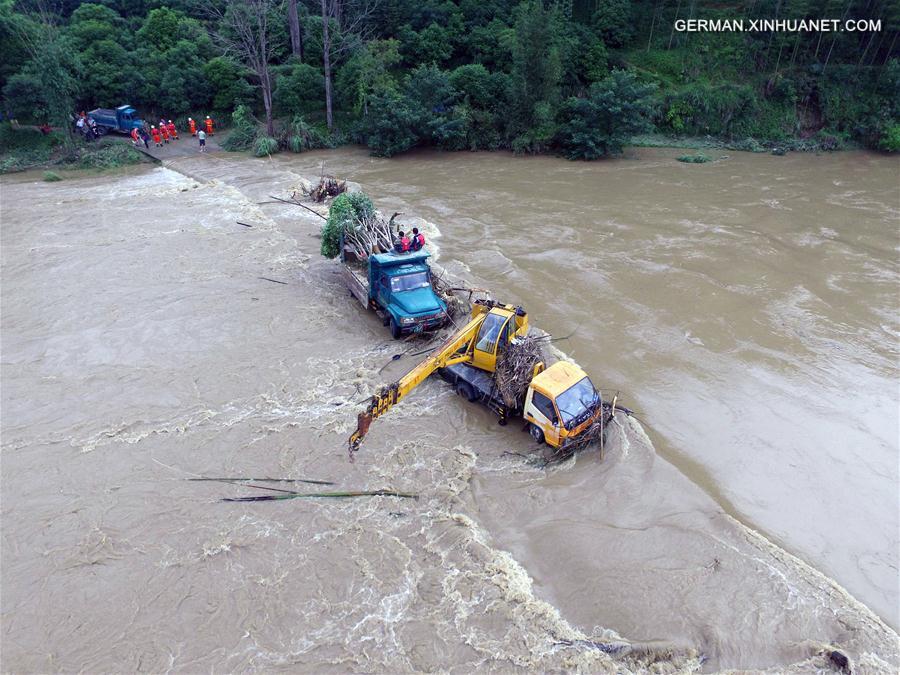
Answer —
123 119
399 287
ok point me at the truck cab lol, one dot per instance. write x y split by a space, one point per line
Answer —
561 403
400 285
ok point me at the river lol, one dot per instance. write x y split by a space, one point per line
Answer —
746 309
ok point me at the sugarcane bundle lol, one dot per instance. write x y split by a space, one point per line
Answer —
515 368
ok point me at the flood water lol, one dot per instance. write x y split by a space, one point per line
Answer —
745 309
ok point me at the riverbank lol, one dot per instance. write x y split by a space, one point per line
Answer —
51 154
27 149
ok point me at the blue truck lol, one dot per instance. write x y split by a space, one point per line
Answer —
123 119
399 287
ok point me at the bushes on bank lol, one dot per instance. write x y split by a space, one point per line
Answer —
244 128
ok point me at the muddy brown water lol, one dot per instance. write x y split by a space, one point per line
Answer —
746 309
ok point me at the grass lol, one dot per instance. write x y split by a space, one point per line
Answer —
51 177
25 148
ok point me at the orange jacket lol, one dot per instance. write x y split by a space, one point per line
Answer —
172 131
193 126
135 135
155 133
164 132
209 126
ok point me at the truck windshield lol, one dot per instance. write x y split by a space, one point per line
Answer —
577 402
408 282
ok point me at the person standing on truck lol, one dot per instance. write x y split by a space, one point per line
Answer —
156 139
418 240
201 136
209 125
173 132
193 125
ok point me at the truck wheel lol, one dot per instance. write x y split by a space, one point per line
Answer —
395 329
465 390
536 433
102 131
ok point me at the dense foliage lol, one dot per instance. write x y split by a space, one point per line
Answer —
347 211
572 76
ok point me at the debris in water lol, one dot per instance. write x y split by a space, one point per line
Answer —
840 660
326 495
262 480
274 281
328 186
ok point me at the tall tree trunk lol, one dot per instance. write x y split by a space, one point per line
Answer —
267 101
326 60
652 23
294 25
672 34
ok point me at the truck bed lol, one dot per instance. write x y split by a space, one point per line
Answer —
479 380
357 283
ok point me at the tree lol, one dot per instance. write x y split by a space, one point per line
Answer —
298 89
600 125
537 70
228 83
296 29
245 34
51 69
349 17
613 22
368 71
392 125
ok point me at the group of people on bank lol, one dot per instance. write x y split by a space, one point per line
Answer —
166 131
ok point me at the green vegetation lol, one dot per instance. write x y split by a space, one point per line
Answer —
694 159
575 77
106 155
27 148
348 210
51 177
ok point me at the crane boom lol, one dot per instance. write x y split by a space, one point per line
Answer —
389 395
458 348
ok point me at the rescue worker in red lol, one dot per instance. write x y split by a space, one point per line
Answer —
193 125
164 132
173 132
209 126
135 137
155 133
418 240
402 243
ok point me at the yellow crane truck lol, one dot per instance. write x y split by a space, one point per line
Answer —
561 406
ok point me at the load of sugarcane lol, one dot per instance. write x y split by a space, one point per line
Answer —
515 368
